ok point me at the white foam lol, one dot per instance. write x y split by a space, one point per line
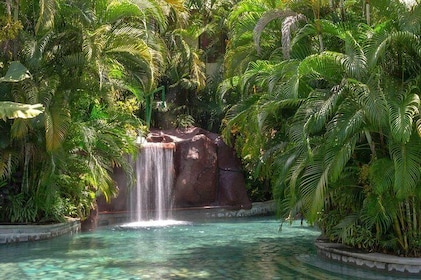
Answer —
152 223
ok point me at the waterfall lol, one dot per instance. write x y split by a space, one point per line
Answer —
151 197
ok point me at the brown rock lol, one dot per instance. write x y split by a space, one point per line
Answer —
207 172
196 172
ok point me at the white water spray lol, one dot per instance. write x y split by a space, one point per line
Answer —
151 198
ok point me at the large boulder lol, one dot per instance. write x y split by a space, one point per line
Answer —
195 164
231 189
207 171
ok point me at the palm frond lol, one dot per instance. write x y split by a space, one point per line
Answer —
346 226
56 123
407 162
178 5
47 11
382 40
237 60
255 75
307 31
8 162
240 110
382 175
338 156
378 212
324 65
291 88
289 25
141 9
244 9
313 187
346 124
323 105
372 100
20 129
402 114
228 86
268 17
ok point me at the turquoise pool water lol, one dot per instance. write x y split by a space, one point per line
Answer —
218 249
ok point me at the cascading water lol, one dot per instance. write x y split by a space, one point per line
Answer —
151 198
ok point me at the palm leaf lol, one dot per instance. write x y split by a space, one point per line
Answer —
19 129
407 166
324 65
270 16
382 175
288 26
117 10
323 108
313 187
8 162
382 39
227 86
338 156
244 9
378 212
402 113
346 124
279 73
237 60
56 123
178 5
47 11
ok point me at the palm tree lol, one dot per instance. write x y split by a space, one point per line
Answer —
86 71
331 120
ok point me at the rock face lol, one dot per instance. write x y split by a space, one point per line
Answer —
207 172
196 171
231 178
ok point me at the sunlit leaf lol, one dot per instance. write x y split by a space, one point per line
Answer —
13 110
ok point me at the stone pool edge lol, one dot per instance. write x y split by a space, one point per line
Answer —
266 208
25 233
373 261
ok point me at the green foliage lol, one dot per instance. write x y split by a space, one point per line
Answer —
334 125
9 28
85 70
22 209
184 121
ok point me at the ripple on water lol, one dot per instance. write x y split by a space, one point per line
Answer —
247 248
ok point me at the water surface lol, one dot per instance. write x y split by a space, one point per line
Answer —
219 249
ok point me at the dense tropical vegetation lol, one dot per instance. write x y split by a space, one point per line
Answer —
327 109
319 98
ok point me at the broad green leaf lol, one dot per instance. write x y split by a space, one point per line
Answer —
16 73
13 110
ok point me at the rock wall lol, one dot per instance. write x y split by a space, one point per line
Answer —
207 172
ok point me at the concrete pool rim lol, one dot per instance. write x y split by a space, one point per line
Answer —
25 233
373 261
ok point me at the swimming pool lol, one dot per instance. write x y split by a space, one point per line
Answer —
246 248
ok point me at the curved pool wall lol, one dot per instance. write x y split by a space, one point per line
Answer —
24 233
375 261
